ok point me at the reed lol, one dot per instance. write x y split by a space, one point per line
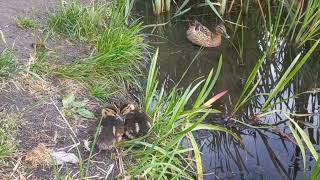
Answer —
167 148
160 6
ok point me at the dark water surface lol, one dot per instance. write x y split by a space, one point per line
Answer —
265 154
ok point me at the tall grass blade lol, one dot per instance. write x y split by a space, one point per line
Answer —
197 156
210 4
316 171
288 75
304 137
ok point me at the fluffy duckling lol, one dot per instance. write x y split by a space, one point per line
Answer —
137 122
112 128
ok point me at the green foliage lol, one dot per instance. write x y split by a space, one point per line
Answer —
7 63
117 49
160 153
8 131
316 171
75 109
304 22
26 22
41 65
291 71
79 21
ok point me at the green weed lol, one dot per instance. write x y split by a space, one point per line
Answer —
8 129
316 171
75 109
7 63
78 21
26 22
164 152
118 48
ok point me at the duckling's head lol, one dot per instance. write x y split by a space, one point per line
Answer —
127 109
108 112
221 29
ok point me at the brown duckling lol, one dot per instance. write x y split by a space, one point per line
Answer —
112 128
137 122
200 35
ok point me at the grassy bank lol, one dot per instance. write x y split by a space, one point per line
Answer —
116 46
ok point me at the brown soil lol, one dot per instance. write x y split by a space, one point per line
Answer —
39 102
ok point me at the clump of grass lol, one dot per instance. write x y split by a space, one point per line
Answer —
26 22
7 63
8 127
163 153
80 22
118 47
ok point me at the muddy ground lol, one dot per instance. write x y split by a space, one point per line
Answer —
38 101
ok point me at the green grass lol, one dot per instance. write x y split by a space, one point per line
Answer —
118 47
161 153
26 22
8 130
7 63
78 21
316 171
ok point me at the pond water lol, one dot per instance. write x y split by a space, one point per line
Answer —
265 154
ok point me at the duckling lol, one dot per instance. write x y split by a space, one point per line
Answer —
200 35
137 122
112 128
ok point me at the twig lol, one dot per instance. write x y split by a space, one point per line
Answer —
65 120
109 170
16 167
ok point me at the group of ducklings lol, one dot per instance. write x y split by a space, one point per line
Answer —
118 122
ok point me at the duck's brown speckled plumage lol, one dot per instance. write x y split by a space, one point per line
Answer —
200 35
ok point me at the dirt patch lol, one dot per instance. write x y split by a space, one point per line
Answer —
39 101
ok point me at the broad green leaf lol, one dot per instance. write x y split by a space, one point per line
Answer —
68 100
85 113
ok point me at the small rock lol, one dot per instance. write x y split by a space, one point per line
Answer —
62 157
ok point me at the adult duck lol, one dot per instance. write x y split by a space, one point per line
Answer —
200 35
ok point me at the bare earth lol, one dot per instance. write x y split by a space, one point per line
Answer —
39 101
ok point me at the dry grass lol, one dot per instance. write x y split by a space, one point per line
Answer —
39 157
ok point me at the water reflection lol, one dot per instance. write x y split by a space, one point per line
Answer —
265 153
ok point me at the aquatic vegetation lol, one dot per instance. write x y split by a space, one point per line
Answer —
164 150
160 6
316 171
251 85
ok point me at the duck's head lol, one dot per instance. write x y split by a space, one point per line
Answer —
221 29
127 109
